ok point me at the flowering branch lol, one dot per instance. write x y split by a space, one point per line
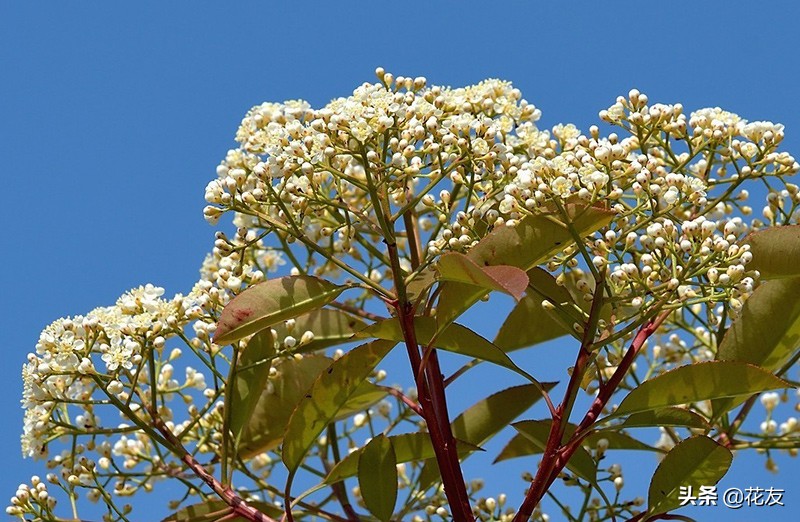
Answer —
225 492
557 454
362 199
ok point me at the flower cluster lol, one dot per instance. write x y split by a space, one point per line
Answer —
75 356
460 162
308 175
111 362
33 498
424 170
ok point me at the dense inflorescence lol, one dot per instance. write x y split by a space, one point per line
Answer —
321 190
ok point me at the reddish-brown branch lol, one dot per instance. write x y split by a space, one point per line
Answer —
610 386
394 392
228 495
557 454
430 386
357 311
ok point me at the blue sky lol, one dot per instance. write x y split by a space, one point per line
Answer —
113 118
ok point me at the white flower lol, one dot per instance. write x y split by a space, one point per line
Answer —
195 379
755 130
769 427
359 419
119 353
144 298
592 178
561 186
273 259
566 132
665 442
694 185
770 400
671 196
715 119
115 387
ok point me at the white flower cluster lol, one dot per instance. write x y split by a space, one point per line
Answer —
82 362
33 498
464 161
425 169
308 173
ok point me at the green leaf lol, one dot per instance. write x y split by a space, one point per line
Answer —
275 406
485 418
518 446
250 379
213 510
455 338
407 447
537 237
521 446
271 302
457 267
420 283
364 396
776 251
617 440
327 396
537 431
529 323
293 378
330 328
377 477
767 333
665 417
698 382
534 240
694 462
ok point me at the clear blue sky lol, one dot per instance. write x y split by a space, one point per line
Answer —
113 118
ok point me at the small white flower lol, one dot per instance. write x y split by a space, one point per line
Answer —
561 186
119 353
770 400
359 419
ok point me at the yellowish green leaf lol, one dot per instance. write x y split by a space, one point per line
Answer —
767 333
521 446
537 432
213 510
665 417
481 421
532 241
420 283
271 302
249 380
377 477
456 338
694 462
407 447
323 401
776 251
293 378
454 266
330 328
698 382
529 323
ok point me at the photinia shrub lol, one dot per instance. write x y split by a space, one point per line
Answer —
374 224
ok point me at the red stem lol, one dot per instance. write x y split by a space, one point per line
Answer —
230 497
556 454
394 392
434 410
